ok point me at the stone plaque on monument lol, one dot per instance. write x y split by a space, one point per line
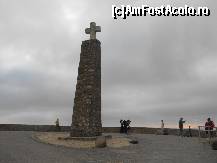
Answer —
86 118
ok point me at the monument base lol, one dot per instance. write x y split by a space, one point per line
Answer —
84 133
63 139
84 138
77 138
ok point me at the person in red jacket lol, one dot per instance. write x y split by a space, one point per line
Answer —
209 125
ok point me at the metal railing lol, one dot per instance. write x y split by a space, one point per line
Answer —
209 132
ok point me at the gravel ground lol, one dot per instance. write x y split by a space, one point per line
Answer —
19 147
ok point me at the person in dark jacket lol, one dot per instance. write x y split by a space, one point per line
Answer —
122 126
181 124
58 125
125 126
128 125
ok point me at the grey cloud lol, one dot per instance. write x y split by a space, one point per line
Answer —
149 64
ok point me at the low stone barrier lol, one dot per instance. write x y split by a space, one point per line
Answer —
23 127
50 128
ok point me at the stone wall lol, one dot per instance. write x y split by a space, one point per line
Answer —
147 130
49 128
23 127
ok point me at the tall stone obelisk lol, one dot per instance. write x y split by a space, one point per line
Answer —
86 118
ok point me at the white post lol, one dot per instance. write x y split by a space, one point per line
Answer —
209 135
199 133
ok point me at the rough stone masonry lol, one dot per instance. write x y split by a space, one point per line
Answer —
86 118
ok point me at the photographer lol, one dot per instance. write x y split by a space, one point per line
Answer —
181 124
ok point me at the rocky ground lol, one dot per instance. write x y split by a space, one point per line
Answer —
19 147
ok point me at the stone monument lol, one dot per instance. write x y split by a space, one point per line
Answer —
86 118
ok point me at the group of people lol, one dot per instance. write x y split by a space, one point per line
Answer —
125 126
181 125
209 125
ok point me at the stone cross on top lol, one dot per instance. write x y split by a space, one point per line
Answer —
92 30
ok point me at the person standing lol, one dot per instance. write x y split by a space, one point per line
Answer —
125 126
209 125
181 124
122 126
128 125
57 125
189 130
162 126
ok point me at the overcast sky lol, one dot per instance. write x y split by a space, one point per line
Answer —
153 68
